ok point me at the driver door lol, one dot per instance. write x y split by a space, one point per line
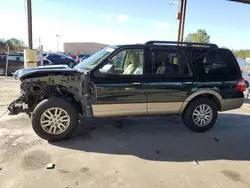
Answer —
121 90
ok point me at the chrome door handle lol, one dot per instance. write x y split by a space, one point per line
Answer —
188 83
137 84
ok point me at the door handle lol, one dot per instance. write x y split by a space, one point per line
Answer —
137 84
188 83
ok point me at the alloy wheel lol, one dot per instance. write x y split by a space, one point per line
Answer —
202 115
55 121
2 71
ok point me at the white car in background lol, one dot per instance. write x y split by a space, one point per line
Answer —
244 66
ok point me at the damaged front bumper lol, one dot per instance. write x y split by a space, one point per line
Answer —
18 106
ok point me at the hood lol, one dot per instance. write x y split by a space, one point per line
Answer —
19 74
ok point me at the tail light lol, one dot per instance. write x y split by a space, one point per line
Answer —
241 85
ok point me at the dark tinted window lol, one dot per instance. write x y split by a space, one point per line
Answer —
214 61
170 62
80 56
54 56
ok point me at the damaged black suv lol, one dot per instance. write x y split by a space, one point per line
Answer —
193 80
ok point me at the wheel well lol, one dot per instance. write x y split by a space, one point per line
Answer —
209 96
73 100
63 94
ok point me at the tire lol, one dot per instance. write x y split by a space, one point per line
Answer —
67 119
71 65
246 93
2 71
190 114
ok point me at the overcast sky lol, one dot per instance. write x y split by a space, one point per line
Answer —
119 22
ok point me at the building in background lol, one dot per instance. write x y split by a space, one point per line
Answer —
82 47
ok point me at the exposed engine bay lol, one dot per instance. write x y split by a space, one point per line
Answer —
74 87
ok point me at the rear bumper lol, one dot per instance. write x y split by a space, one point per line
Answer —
230 104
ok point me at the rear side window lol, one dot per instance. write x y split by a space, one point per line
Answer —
215 62
169 62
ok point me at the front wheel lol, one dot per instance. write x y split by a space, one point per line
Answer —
200 115
71 65
54 119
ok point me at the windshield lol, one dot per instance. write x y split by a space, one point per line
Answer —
95 59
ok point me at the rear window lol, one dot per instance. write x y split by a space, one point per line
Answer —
214 61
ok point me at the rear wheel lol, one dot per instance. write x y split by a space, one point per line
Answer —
2 71
54 119
200 115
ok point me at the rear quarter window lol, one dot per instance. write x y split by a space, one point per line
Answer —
214 62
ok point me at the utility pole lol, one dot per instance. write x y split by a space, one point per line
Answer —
181 16
29 24
57 42
39 43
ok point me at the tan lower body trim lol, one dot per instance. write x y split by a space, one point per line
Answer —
226 104
136 109
164 108
230 104
106 110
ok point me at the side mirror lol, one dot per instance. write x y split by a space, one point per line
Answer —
107 69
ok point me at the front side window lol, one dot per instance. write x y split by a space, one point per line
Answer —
169 62
126 62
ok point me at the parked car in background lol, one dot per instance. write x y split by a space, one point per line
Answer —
79 57
244 66
15 62
82 57
58 59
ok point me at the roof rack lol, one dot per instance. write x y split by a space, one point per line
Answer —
186 43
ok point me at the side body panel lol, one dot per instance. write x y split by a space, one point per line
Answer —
166 93
221 85
119 95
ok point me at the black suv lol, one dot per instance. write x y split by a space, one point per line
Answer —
193 80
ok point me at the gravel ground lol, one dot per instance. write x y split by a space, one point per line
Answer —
140 152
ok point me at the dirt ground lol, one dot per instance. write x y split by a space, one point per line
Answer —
142 152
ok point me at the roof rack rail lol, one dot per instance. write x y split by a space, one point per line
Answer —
186 43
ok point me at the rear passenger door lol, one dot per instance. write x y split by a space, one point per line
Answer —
170 82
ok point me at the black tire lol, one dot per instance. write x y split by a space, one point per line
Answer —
54 103
187 116
71 65
2 71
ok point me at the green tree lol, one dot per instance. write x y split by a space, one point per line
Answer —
244 53
200 36
15 44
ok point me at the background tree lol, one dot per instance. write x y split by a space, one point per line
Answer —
15 44
200 36
2 45
242 53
